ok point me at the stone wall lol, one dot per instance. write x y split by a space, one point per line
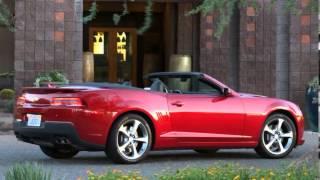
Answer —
48 37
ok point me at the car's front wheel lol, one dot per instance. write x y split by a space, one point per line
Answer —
278 137
59 153
130 139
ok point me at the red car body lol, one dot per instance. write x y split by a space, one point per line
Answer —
177 121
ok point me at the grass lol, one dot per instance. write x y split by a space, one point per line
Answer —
222 172
27 171
30 171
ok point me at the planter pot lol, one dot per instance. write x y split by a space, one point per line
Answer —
47 84
3 103
312 109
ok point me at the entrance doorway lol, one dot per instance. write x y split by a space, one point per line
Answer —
120 54
115 54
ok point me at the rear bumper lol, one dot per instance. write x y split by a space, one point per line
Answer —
53 134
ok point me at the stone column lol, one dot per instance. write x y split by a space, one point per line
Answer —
48 37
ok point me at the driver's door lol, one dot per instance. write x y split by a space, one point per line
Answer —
205 115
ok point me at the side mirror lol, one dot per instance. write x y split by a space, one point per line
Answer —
226 91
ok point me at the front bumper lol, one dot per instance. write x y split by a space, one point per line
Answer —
52 133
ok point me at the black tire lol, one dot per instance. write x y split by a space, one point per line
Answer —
262 150
112 150
206 151
59 153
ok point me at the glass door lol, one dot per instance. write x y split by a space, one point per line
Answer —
115 52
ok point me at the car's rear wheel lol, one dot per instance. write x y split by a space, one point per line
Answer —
206 151
130 139
278 137
59 153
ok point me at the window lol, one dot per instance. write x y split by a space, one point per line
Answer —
188 85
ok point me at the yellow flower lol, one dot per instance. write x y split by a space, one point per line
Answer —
237 177
305 173
289 174
271 173
262 178
253 178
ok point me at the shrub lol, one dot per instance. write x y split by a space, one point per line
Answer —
313 85
7 94
27 171
53 76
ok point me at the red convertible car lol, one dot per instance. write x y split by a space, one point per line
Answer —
177 111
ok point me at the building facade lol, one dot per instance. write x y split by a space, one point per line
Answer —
50 35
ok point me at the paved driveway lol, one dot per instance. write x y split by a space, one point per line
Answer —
12 152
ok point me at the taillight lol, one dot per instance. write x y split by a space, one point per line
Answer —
21 101
65 101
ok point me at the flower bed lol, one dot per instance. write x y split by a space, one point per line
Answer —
227 172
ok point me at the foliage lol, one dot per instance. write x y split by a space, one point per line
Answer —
225 9
27 171
7 94
117 17
236 172
7 74
314 84
147 18
227 171
114 175
92 13
6 17
53 76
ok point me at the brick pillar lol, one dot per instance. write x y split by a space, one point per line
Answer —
304 58
48 37
257 50
215 54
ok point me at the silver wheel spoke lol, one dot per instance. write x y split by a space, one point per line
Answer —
287 135
123 147
141 139
270 143
135 126
280 122
281 146
135 152
269 130
124 131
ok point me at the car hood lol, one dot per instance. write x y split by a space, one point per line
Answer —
250 95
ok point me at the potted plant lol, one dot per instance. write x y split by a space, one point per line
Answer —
312 104
51 78
7 100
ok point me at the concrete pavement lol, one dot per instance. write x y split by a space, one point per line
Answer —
13 151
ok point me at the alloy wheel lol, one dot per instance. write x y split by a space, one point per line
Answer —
132 139
277 136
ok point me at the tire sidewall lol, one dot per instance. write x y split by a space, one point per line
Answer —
57 153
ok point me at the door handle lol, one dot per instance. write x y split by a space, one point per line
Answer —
178 104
